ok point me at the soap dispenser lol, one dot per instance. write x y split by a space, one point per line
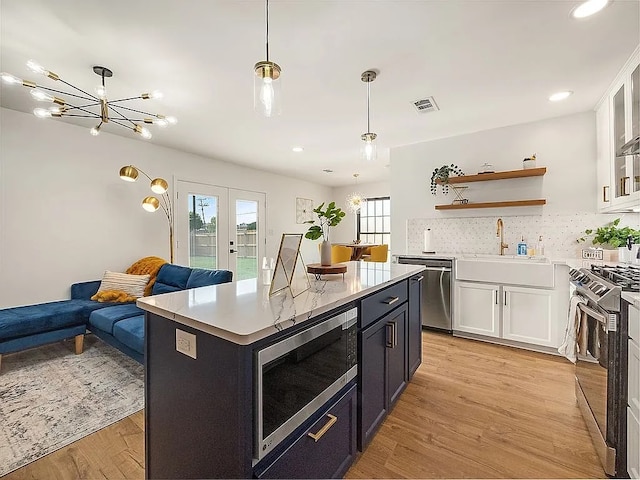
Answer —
540 247
522 247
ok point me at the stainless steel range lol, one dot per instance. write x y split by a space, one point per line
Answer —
601 367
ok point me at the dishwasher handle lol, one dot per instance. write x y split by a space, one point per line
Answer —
438 269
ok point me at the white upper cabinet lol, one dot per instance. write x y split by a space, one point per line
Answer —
618 127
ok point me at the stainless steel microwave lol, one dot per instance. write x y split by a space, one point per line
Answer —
299 374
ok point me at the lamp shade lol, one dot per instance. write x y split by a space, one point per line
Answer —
159 185
129 173
150 204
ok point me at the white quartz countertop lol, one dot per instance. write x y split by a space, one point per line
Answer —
243 312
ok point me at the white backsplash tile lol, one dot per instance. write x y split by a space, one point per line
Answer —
478 235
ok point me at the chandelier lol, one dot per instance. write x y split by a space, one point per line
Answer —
159 186
368 151
266 87
88 105
355 200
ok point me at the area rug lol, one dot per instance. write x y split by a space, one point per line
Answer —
50 397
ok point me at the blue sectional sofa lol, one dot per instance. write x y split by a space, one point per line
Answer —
119 324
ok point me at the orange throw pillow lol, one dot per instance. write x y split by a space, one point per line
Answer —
147 265
113 296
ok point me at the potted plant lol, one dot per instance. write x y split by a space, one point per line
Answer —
327 218
440 176
611 236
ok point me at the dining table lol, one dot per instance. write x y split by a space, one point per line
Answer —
357 249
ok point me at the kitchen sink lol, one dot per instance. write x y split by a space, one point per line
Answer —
503 258
506 269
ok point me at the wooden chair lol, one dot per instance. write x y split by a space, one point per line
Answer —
340 253
378 254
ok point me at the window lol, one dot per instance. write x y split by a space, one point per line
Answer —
374 221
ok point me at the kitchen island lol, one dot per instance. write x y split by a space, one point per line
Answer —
202 347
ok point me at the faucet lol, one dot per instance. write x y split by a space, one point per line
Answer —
500 233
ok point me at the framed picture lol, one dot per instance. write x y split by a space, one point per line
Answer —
304 210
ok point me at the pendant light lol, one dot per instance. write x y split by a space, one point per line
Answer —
355 200
368 150
267 97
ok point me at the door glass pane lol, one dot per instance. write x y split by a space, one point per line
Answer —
635 124
203 244
246 239
619 140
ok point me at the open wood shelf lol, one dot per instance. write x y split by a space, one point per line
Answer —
483 177
512 203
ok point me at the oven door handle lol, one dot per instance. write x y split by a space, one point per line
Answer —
592 313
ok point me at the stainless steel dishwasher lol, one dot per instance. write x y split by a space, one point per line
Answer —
437 288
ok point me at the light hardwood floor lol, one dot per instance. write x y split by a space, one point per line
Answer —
473 410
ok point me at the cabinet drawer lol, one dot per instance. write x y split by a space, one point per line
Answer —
382 302
329 454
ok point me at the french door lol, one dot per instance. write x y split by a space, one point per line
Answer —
220 228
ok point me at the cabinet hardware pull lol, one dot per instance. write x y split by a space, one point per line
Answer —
419 279
623 186
389 335
395 335
495 295
317 436
391 301
505 298
605 194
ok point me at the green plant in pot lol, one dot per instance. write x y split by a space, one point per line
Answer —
440 176
327 218
611 236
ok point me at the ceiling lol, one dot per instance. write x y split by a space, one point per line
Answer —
487 63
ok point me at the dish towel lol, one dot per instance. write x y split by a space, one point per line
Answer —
569 347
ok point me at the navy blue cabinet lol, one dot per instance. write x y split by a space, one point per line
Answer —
414 330
326 449
383 371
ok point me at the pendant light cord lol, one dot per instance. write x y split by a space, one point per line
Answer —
267 30
368 94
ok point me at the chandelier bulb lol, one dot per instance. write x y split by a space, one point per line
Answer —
36 67
171 120
101 91
154 94
42 113
95 131
41 96
10 79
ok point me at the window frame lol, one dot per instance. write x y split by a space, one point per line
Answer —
359 232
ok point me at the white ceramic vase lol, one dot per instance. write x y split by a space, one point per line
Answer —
325 253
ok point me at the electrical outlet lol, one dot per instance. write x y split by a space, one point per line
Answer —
186 343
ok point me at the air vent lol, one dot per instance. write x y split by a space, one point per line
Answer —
426 105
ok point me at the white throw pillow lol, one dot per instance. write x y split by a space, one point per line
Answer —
130 284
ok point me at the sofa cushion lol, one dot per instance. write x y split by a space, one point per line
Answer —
201 278
171 278
131 332
44 317
123 282
105 318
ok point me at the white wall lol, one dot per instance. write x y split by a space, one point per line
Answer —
346 231
565 145
65 215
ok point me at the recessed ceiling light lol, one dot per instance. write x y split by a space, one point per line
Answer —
556 97
588 8
297 149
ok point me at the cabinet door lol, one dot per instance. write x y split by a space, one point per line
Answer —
477 309
633 375
528 316
397 372
620 186
635 128
633 445
414 330
372 395
603 156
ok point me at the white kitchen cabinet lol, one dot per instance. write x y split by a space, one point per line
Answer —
477 308
603 156
633 397
528 315
618 122
519 314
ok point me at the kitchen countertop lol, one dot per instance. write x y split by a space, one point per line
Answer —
632 297
243 312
